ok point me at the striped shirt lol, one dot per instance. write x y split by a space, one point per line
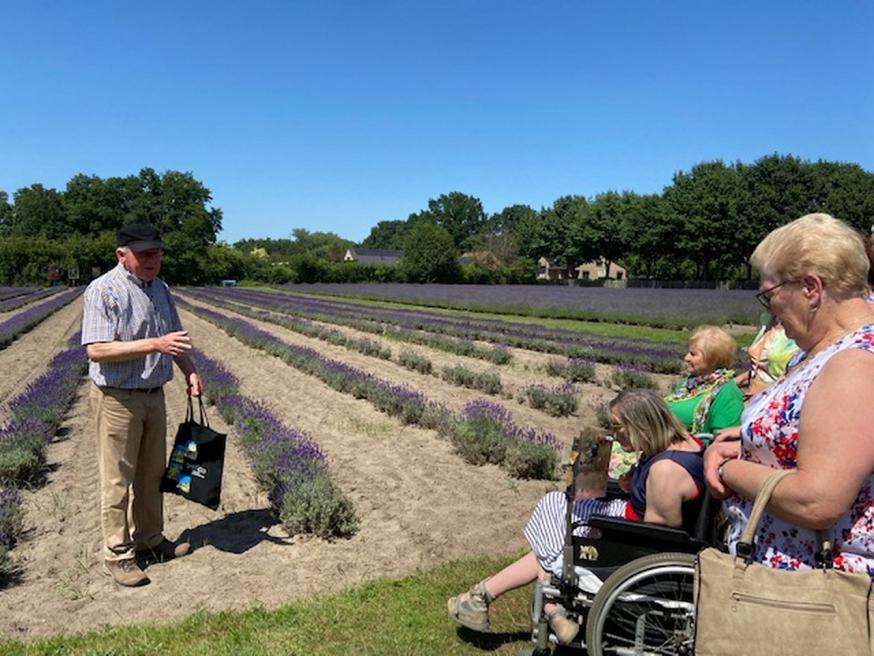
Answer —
121 307
546 529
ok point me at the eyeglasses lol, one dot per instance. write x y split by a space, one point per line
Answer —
766 300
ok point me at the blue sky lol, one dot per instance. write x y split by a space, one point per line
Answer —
333 115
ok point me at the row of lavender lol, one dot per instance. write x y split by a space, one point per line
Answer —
34 417
637 352
13 303
287 463
302 322
672 308
559 401
484 432
27 319
10 292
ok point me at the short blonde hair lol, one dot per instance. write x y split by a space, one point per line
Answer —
818 244
720 348
651 427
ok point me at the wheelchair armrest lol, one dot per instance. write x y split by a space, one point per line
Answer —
614 527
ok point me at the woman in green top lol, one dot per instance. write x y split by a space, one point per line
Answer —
707 399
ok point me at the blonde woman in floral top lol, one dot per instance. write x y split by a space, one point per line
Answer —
818 419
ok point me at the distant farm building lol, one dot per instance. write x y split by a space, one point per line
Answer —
597 270
553 269
373 256
557 269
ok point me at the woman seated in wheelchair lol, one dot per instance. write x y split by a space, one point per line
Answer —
668 478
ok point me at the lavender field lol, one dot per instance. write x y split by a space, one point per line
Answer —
672 308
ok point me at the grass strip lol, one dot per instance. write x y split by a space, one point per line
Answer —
386 617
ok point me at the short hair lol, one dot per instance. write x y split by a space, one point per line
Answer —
818 244
651 427
720 348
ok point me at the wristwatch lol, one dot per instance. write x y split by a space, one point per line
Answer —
720 471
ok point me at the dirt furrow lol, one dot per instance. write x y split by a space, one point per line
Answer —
27 356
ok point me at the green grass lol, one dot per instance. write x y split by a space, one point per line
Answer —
386 617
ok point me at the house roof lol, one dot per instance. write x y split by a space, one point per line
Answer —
375 255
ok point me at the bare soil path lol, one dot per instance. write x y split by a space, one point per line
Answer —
26 357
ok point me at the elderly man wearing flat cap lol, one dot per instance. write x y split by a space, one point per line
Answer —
133 335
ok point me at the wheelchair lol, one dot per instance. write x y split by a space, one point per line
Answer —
643 606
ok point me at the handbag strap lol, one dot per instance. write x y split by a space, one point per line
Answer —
744 548
189 411
824 557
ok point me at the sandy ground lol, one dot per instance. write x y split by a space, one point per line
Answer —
419 504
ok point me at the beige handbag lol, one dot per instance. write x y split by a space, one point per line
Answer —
747 609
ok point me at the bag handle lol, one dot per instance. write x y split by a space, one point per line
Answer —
744 548
189 412
204 420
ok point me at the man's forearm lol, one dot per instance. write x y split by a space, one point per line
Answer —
185 363
120 351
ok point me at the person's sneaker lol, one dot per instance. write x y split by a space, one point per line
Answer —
126 572
471 609
564 628
166 550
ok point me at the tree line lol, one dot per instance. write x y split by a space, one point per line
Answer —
702 226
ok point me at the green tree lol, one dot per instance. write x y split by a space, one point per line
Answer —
5 214
323 245
462 216
429 255
649 234
843 190
705 203
387 234
276 250
597 231
510 217
39 212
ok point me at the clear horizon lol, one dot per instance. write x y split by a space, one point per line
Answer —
334 116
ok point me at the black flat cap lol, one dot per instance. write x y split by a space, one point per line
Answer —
139 237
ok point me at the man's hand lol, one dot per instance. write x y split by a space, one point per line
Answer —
195 385
174 343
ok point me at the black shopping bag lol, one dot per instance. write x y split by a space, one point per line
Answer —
196 461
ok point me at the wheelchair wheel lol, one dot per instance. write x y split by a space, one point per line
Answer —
645 608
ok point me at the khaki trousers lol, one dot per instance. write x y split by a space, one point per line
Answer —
131 450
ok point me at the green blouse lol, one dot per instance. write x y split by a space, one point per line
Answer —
725 410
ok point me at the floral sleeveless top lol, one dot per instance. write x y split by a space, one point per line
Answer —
769 435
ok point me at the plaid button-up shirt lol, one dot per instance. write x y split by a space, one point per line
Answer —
121 307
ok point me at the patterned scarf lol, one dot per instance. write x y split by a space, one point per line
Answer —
692 386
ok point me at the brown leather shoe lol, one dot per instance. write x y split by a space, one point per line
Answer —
166 550
126 572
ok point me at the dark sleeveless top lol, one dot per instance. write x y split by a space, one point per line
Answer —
692 462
